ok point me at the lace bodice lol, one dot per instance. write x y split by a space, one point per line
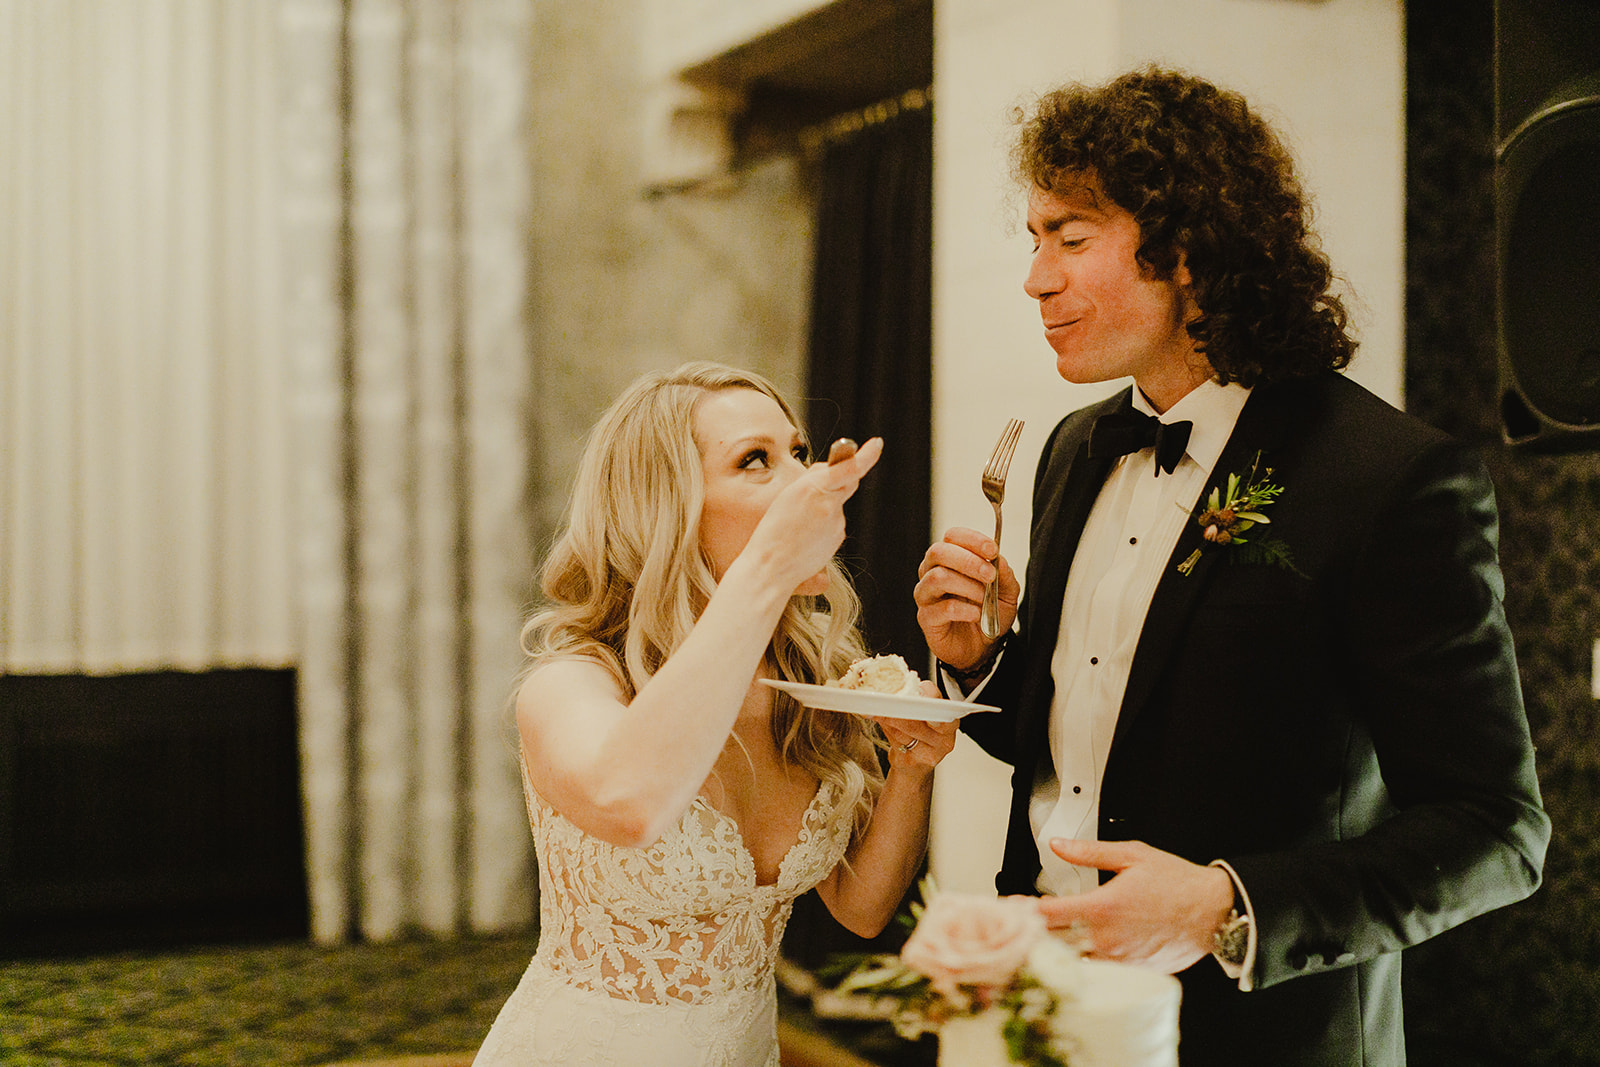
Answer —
681 920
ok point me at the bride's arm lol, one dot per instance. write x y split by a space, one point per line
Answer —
624 771
863 893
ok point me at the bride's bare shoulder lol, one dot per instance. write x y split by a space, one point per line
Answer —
560 682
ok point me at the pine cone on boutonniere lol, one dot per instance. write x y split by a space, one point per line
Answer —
1225 517
1219 525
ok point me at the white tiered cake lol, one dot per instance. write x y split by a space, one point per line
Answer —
1115 1016
976 963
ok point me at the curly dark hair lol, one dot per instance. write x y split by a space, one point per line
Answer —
1207 178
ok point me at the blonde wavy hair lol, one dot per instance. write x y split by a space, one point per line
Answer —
626 579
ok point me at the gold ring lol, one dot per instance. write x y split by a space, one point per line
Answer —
911 744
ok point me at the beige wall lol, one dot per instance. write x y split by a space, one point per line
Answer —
624 283
1329 73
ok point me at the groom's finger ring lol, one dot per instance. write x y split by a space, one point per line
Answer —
911 744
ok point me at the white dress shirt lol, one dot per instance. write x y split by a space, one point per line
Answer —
1126 547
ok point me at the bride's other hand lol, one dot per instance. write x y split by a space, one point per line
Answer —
915 743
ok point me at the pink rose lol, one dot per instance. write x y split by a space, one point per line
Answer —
973 940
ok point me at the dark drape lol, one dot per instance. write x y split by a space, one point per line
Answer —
870 370
870 357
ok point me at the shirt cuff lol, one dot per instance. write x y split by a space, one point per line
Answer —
948 683
1243 972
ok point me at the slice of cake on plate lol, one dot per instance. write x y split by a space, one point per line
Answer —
881 674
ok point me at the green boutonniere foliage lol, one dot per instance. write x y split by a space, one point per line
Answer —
1226 516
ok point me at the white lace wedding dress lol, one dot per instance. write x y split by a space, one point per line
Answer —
659 956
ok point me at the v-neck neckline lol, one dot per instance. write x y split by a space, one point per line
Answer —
744 846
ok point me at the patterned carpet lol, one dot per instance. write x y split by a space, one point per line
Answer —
411 1004
284 1005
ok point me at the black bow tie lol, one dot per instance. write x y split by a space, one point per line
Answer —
1122 432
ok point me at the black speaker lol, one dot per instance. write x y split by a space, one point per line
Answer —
1547 222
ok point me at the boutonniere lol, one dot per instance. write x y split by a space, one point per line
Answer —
1224 519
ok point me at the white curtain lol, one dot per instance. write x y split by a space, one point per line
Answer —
142 438
406 246
263 380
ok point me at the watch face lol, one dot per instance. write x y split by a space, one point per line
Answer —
1232 938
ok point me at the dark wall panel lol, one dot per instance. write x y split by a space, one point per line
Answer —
1519 987
149 810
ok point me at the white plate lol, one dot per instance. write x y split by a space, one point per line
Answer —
866 702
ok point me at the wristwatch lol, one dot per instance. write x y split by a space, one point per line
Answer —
1231 940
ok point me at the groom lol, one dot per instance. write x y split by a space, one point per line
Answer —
1261 701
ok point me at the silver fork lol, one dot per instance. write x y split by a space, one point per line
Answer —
994 491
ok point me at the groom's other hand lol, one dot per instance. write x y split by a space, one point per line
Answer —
949 595
1158 911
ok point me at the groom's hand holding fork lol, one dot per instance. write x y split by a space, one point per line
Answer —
949 595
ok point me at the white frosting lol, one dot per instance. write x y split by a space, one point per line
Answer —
881 674
1115 1016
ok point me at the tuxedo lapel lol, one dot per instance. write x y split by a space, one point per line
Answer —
1261 426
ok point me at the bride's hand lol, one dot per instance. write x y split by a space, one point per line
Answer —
804 527
916 743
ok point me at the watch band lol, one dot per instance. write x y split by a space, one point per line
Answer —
978 670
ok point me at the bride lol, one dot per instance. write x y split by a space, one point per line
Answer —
678 806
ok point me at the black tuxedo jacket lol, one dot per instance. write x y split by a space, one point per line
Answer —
1350 738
